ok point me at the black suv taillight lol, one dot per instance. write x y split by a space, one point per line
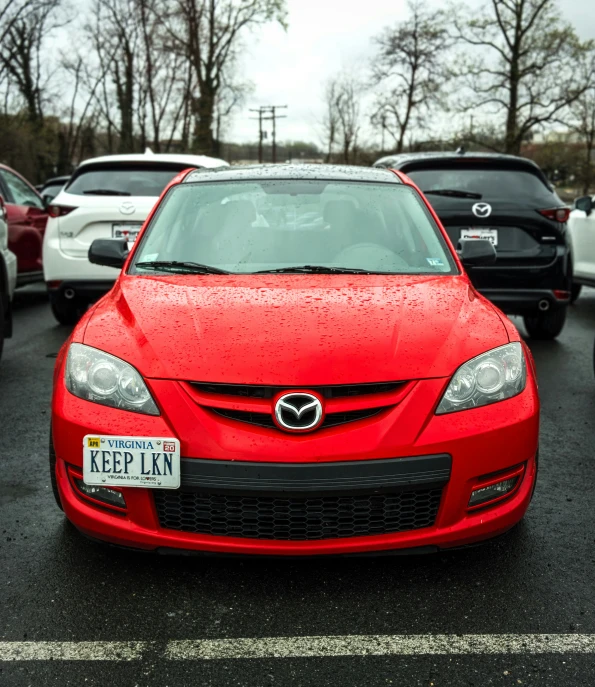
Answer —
556 214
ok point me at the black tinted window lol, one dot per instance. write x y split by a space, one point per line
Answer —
491 183
131 180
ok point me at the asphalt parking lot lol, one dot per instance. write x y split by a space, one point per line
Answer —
73 612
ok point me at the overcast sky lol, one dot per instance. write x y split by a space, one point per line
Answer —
325 36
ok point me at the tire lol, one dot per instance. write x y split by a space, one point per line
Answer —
66 312
53 479
575 292
545 326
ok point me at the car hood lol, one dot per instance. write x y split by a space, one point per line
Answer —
294 330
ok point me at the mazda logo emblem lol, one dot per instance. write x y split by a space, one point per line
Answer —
482 209
298 411
127 208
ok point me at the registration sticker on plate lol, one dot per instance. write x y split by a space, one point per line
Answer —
126 231
131 461
490 235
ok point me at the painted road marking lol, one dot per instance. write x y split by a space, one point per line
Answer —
72 651
295 647
378 645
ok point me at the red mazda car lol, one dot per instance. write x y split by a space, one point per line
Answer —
26 217
293 361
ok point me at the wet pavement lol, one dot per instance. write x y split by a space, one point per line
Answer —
56 586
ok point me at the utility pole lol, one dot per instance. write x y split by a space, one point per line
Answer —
260 137
268 113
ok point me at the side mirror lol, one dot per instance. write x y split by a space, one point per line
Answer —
3 213
475 252
109 252
584 203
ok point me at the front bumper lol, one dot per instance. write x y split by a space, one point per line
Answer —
478 442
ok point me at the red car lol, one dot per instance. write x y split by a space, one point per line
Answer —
293 361
27 217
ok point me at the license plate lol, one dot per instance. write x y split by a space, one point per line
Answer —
131 461
490 235
126 231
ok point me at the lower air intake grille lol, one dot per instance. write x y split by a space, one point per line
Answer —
296 518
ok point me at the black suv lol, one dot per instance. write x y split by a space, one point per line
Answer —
508 201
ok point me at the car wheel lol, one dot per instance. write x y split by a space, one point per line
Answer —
545 325
65 311
575 292
53 480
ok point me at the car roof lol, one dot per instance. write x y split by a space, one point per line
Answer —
156 158
293 171
402 159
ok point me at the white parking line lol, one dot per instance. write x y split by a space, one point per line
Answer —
297 647
379 645
72 651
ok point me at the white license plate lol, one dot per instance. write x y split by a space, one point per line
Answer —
126 231
131 461
490 235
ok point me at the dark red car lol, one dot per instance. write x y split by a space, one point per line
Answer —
27 217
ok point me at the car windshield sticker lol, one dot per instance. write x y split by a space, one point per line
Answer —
435 262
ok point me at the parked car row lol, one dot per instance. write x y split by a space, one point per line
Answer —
105 197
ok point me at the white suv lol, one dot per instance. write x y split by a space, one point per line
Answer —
106 197
581 225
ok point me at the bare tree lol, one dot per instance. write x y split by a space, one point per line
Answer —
342 119
410 69
207 33
582 117
330 122
21 52
524 63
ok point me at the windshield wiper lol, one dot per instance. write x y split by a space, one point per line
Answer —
318 269
105 192
180 267
453 193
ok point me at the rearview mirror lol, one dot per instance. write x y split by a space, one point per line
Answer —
109 252
474 252
584 203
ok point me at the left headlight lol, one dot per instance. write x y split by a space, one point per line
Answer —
491 377
102 378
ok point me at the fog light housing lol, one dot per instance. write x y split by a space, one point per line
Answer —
498 488
103 496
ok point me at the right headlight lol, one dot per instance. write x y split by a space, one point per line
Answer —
102 378
491 377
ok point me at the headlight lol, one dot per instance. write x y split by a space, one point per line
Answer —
491 377
101 378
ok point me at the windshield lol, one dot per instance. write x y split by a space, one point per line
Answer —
486 182
122 180
249 226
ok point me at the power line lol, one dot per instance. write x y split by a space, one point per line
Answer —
268 113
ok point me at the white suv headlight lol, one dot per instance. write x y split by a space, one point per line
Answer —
491 377
102 378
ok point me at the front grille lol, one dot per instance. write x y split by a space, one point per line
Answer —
296 518
266 420
259 391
